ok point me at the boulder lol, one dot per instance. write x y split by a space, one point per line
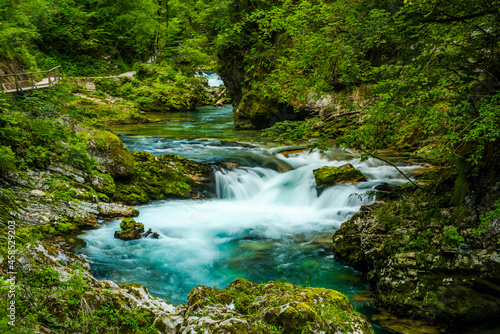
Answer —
111 154
246 307
386 191
166 176
130 230
326 177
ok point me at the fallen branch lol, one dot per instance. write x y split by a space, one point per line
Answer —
393 165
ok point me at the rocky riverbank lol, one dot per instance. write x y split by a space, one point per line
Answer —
421 262
54 290
58 294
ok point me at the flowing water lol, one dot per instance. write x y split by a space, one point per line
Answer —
267 222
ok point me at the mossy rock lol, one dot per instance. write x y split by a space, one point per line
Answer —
129 223
255 112
328 176
110 152
130 229
256 308
347 242
167 176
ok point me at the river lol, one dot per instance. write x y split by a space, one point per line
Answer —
267 222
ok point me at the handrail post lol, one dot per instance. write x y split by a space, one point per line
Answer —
32 81
48 76
15 81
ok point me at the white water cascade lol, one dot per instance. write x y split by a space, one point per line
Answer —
214 80
261 227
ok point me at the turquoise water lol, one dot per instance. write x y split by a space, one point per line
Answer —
204 122
267 222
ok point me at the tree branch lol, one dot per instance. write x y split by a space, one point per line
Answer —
393 165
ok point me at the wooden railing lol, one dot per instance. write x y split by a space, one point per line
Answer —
30 81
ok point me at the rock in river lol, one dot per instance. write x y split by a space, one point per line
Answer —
328 176
130 229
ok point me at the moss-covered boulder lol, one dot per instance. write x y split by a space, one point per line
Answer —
167 176
326 177
112 155
246 307
130 229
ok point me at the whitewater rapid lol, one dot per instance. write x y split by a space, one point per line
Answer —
261 226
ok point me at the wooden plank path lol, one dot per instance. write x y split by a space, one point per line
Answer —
38 80
30 81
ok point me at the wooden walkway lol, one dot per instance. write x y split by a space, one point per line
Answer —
20 82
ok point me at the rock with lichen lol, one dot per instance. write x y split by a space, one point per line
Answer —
423 266
165 177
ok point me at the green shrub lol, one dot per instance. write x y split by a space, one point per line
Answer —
452 238
7 159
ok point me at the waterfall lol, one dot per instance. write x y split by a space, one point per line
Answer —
213 78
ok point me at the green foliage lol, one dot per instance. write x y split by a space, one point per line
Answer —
428 94
452 238
7 159
289 131
158 87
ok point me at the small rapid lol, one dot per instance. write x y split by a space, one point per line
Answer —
264 225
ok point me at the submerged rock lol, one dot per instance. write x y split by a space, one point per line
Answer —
328 176
246 307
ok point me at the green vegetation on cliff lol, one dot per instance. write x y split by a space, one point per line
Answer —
422 261
426 70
